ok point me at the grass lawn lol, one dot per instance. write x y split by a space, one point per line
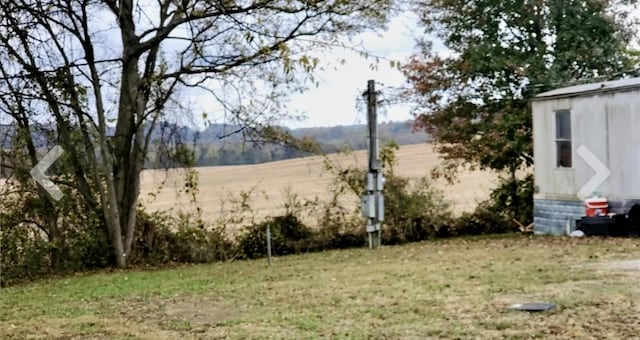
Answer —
441 289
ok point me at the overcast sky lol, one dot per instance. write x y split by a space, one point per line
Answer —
333 102
340 85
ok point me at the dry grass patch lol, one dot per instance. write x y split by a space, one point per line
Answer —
441 289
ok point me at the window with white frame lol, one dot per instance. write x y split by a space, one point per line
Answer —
563 139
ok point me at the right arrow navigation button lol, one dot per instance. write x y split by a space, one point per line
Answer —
602 172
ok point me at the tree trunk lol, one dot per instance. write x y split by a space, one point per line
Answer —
131 196
112 219
129 139
55 238
118 250
127 149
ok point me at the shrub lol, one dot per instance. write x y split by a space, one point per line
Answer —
414 211
483 220
339 228
513 199
200 245
162 238
288 236
39 238
24 254
86 249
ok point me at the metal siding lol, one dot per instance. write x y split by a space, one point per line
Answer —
590 130
609 125
548 178
542 156
624 145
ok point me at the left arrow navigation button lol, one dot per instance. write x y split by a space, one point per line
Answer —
38 172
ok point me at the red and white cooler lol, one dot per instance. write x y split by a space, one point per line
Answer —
596 206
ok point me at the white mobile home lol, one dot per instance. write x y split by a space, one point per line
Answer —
585 138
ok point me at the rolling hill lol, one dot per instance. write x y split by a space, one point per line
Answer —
303 176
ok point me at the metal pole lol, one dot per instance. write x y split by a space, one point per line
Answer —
269 244
372 119
373 188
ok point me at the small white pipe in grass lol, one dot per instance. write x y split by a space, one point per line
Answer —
269 244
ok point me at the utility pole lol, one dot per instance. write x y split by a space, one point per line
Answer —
373 201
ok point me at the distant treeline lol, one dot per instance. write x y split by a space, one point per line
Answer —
233 150
224 144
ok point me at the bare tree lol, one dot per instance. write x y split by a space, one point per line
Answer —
105 72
